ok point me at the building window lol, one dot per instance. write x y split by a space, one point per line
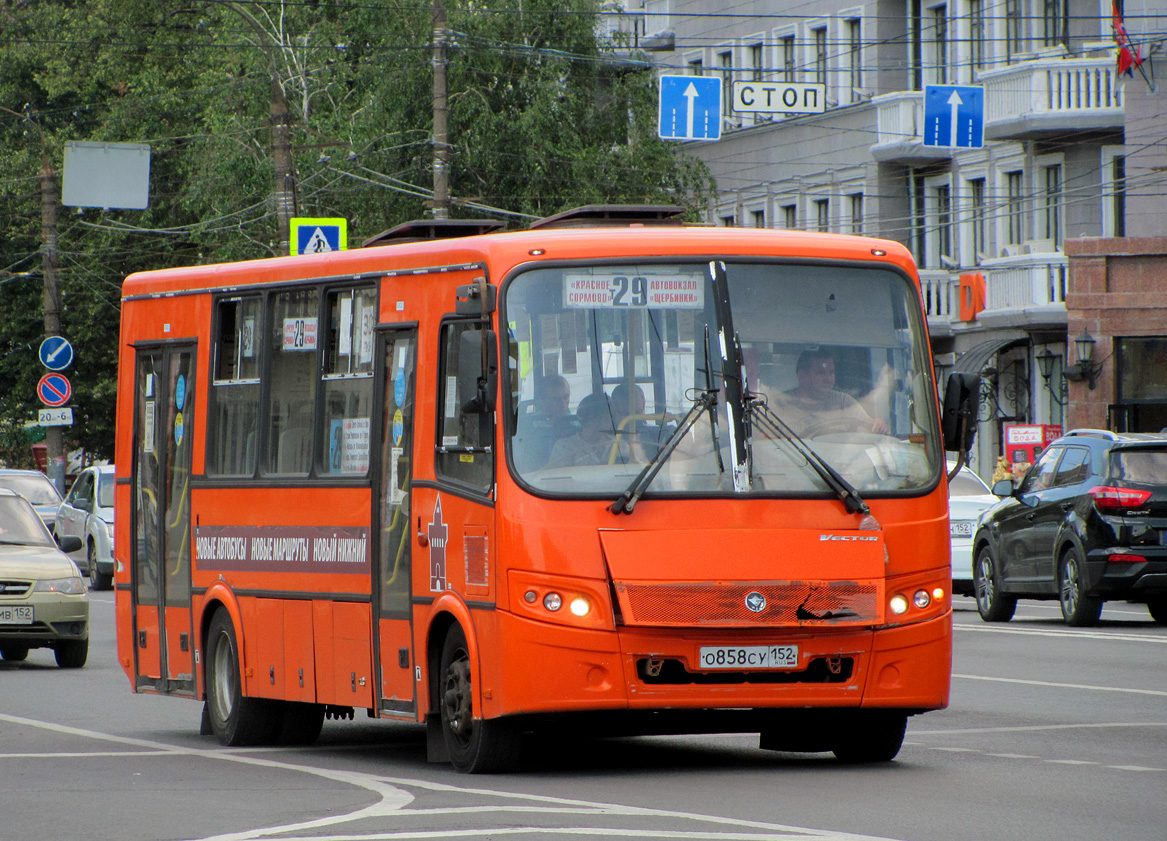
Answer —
1053 22
976 29
943 198
757 62
789 58
939 44
1013 29
980 245
855 55
727 221
822 209
759 218
1118 206
725 61
1015 206
820 55
1052 205
857 213
697 67
790 216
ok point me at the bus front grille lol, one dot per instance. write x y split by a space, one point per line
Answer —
746 604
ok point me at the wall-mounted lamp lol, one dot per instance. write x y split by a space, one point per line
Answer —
1084 368
1045 365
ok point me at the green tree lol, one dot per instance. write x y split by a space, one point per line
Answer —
543 116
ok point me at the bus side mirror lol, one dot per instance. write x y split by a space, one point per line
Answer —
958 417
478 298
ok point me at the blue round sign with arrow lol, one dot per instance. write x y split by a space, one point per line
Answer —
56 353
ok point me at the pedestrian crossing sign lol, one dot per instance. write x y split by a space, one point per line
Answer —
318 236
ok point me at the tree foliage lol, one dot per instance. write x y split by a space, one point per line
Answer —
542 116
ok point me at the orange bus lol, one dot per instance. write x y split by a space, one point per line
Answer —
611 471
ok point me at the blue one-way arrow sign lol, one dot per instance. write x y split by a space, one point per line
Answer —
690 108
954 116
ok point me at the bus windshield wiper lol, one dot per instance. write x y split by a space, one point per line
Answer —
762 416
706 402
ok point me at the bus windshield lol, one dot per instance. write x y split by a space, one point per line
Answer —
608 362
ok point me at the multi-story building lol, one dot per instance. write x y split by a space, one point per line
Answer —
1055 163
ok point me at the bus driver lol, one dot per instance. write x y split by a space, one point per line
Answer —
815 406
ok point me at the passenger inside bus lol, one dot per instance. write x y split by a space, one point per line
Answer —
537 432
816 407
592 443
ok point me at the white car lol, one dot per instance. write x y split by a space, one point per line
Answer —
968 496
87 513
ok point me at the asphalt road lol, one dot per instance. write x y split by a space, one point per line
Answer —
1053 733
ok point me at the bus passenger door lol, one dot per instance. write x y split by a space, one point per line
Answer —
160 519
392 518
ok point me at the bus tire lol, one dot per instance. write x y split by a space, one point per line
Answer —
300 723
871 736
235 719
475 745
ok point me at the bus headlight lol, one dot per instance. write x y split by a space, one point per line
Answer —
898 605
579 606
921 599
552 601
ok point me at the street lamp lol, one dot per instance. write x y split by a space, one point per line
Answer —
1084 368
1045 366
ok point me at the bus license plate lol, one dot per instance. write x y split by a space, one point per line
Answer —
20 614
748 656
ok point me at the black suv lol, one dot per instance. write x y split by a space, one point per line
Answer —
1088 523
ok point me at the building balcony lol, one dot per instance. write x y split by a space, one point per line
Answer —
900 131
1025 290
1051 96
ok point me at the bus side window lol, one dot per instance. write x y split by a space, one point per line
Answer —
466 417
234 414
292 380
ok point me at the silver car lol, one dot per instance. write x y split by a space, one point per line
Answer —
87 513
968 496
37 489
44 602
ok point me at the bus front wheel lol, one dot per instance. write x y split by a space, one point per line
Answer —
235 719
475 745
871 736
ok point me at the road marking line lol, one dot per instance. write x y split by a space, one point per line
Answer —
1033 728
393 798
1063 633
1054 685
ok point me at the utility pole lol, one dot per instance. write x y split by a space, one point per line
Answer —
51 296
441 204
54 436
283 160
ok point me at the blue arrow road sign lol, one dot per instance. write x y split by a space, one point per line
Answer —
690 108
954 116
54 389
56 353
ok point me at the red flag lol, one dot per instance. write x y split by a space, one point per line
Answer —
1128 54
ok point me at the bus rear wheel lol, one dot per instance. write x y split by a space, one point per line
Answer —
871 736
235 719
475 745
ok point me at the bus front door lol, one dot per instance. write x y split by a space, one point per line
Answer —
160 519
395 675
